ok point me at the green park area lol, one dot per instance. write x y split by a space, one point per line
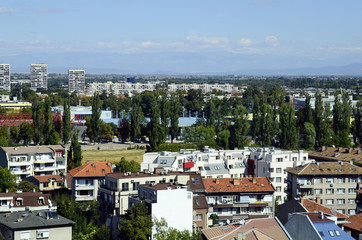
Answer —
112 155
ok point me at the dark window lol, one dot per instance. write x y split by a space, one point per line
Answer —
125 187
135 185
321 234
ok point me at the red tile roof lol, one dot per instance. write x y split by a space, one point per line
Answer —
259 184
311 206
356 222
92 169
45 178
314 217
359 191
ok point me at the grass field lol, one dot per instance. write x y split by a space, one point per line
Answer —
112 155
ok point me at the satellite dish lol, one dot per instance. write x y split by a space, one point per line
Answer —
11 204
50 203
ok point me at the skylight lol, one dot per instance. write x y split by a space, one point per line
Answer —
331 233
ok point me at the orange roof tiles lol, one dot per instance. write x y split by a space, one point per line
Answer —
259 184
92 169
356 222
311 206
45 178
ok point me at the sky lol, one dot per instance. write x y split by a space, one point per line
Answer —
180 36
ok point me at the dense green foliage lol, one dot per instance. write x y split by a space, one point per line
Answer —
7 180
127 166
164 232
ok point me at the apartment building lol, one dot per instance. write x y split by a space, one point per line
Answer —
236 199
48 183
211 163
35 225
332 184
5 81
34 160
173 202
76 80
25 201
205 87
38 76
87 178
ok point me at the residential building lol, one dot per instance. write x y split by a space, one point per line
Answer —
76 80
35 225
354 226
255 229
87 178
333 154
314 226
5 80
359 200
200 213
34 160
211 163
332 184
306 205
48 183
25 201
236 199
205 87
161 198
38 76
14 105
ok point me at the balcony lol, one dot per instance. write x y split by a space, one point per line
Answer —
305 186
84 186
44 169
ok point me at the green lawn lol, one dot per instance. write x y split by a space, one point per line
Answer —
112 155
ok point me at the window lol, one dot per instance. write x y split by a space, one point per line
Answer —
19 201
279 159
278 179
351 190
195 180
321 234
278 170
135 185
337 233
45 184
341 191
329 201
340 211
163 161
59 154
217 167
278 198
329 180
294 159
351 201
125 187
352 180
317 181
25 235
340 201
207 168
331 233
340 180
351 212
41 201
318 191
278 189
4 202
329 191
271 169
198 217
42 234
304 158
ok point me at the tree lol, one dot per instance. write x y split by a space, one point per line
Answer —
26 186
164 232
106 132
239 130
318 119
223 139
341 121
14 133
165 117
103 233
7 179
266 132
96 115
210 113
308 113
175 109
255 124
48 121
137 223
308 136
54 137
288 135
74 155
124 129
127 166
37 116
26 133
89 130
357 124
67 128
136 118
155 131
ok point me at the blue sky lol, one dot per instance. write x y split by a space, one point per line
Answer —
165 35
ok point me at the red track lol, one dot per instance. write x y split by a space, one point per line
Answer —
15 119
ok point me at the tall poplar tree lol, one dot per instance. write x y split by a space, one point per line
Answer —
136 118
288 134
165 116
357 124
48 121
240 128
341 121
255 124
66 122
96 117
318 120
37 116
175 108
154 126
266 132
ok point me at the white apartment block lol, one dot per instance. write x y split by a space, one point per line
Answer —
76 80
38 76
205 87
34 160
173 202
120 88
5 82
211 163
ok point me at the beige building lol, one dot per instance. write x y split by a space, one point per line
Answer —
35 225
38 76
331 184
76 80
5 82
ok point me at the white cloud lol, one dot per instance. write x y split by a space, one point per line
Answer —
208 40
272 41
245 42
4 10
149 44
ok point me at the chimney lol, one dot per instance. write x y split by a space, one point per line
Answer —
217 181
236 182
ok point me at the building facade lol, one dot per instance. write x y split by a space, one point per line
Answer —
76 80
5 81
38 76
34 160
25 201
332 184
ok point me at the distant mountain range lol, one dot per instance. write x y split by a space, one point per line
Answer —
212 63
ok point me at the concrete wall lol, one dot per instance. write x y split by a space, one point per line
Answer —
59 233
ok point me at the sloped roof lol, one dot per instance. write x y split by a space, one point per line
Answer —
268 227
259 184
326 168
29 198
330 227
199 202
311 206
32 149
92 169
338 154
356 222
45 178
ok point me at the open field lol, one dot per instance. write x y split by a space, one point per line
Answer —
112 155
